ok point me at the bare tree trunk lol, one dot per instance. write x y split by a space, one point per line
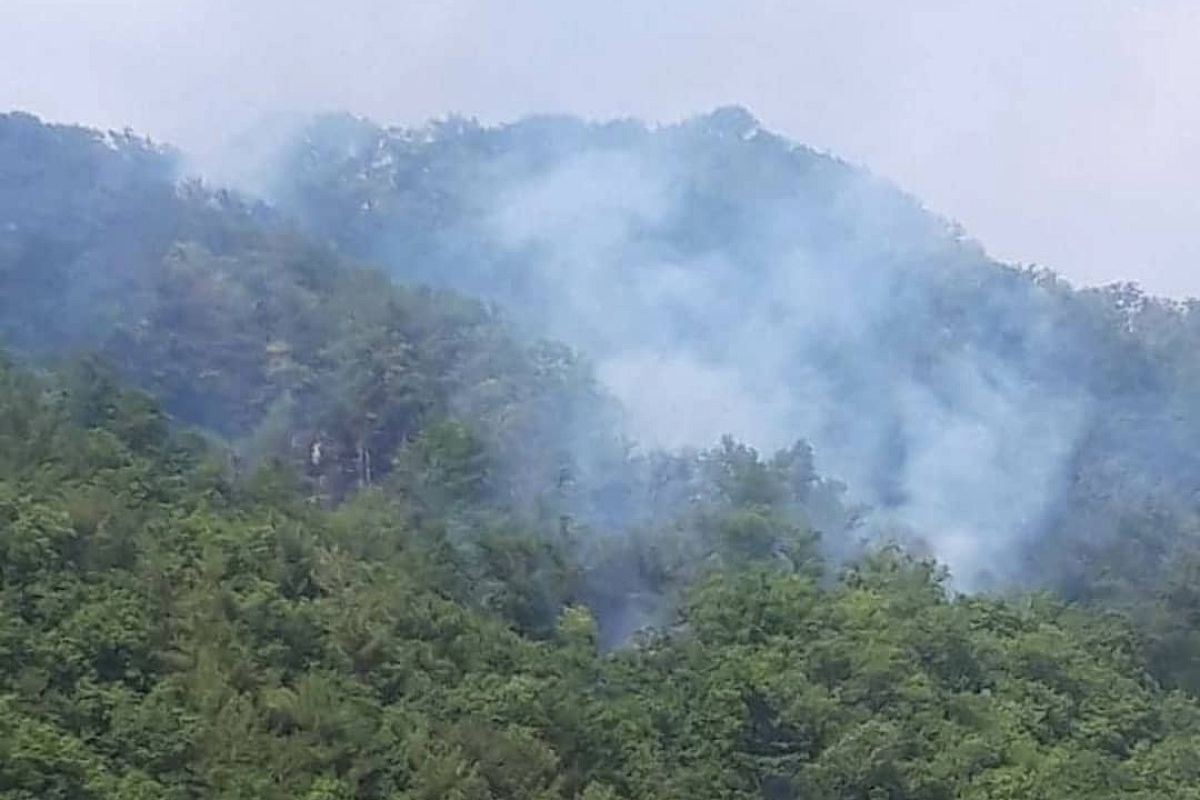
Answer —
358 464
363 468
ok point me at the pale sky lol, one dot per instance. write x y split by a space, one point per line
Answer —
1062 133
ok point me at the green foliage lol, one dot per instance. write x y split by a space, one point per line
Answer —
834 295
240 326
167 633
405 556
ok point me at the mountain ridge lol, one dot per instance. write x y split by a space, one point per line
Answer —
803 297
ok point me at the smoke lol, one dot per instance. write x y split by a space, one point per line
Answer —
987 458
241 158
792 311
1006 115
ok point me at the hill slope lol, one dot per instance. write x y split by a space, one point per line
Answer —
168 634
725 280
248 331
378 541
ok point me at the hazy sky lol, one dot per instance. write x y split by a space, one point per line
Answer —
1063 133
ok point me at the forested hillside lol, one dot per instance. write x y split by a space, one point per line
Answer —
282 350
243 327
1030 433
166 632
303 498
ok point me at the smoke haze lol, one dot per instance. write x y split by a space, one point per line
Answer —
809 303
770 337
725 281
1062 134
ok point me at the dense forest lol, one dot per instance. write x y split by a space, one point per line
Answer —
301 496
1026 430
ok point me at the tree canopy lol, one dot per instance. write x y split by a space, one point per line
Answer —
275 524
